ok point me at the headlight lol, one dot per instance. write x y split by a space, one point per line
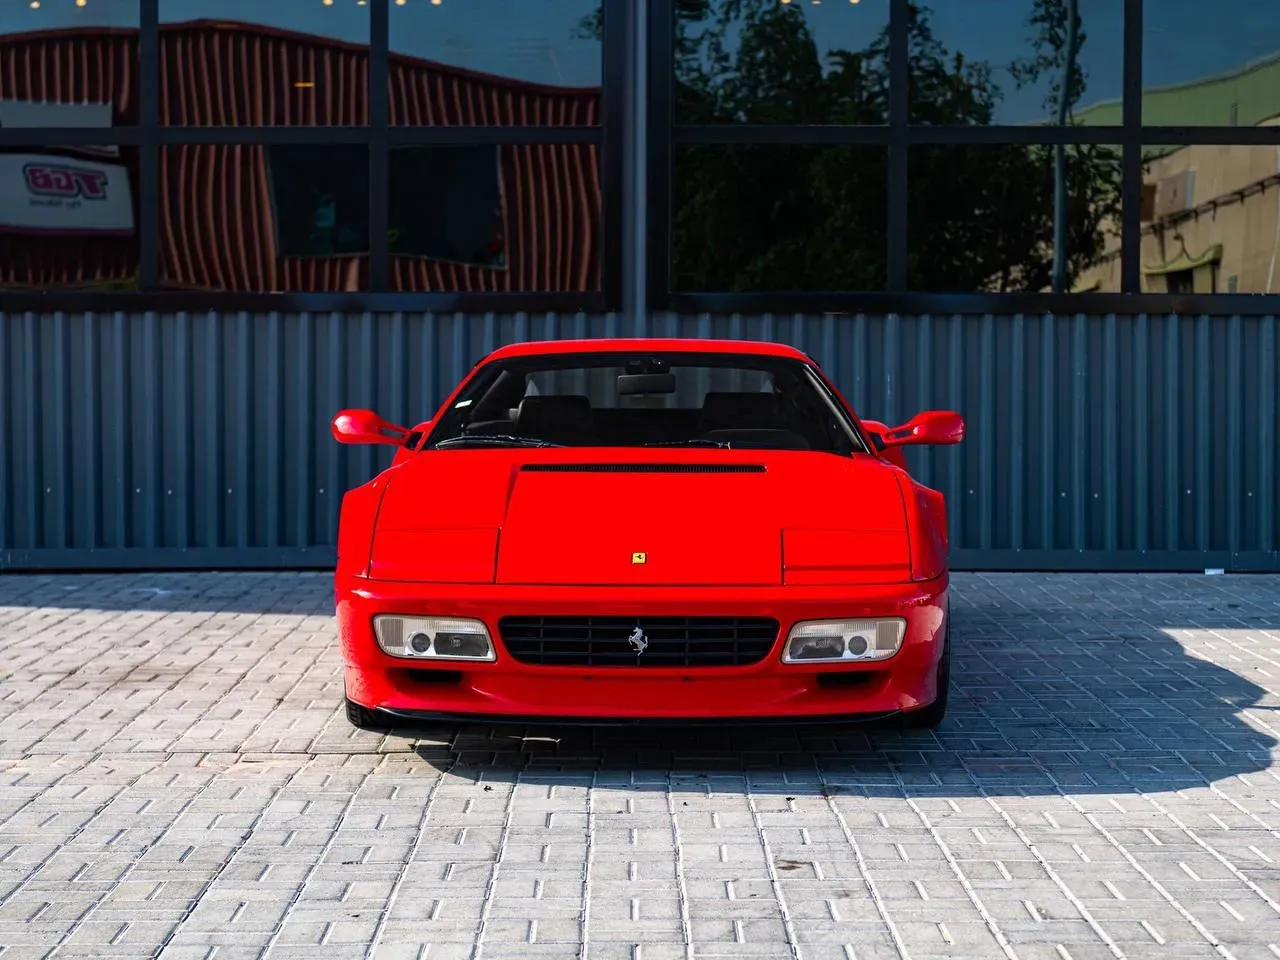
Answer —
433 638
842 641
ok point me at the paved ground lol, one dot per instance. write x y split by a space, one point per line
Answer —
176 779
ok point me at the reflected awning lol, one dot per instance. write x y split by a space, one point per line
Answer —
1184 262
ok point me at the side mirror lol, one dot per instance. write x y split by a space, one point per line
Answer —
414 437
365 426
931 427
877 430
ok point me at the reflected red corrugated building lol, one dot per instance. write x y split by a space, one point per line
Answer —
220 226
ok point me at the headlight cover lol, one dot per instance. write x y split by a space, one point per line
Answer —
433 638
844 641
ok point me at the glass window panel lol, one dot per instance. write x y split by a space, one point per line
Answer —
1004 62
1215 65
981 218
500 219
494 62
287 63
251 218
776 61
779 217
67 64
69 218
1211 219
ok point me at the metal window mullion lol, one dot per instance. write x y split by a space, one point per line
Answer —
1131 158
918 303
897 190
783 134
149 145
1028 135
616 270
842 134
491 135
263 136
1261 136
787 302
660 154
628 28
69 136
379 177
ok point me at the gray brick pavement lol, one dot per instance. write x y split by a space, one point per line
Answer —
176 780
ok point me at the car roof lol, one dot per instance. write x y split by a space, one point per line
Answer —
644 345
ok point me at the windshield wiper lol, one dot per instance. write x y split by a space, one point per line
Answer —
695 442
495 440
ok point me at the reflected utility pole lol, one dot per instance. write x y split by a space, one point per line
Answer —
1060 156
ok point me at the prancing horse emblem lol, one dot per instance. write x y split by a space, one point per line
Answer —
639 642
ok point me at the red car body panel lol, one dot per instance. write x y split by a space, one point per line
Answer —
470 533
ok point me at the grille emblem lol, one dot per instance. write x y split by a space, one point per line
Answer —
639 642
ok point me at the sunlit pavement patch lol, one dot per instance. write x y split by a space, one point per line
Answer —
176 775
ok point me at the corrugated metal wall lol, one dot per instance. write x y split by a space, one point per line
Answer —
202 440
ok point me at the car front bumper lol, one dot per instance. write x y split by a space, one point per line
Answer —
770 689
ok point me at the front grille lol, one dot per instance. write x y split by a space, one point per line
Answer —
671 641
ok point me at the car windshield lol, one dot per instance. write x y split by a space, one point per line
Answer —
647 400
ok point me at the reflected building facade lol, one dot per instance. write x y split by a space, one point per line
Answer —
846 179
1210 217
280 216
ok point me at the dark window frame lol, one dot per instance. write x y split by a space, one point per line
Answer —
149 136
664 134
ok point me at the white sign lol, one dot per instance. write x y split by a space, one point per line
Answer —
34 114
63 196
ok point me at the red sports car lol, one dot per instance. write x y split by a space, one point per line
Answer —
641 530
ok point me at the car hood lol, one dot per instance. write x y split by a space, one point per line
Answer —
572 517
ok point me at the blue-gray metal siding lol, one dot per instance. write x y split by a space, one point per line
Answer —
202 440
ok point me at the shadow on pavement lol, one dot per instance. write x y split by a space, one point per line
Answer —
1076 683
1062 684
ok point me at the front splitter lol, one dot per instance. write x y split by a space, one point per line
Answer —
498 719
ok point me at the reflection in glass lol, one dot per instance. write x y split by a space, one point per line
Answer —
756 217
264 219
1211 219
1217 66
511 218
64 65
251 63
980 62
981 218
68 218
493 62
765 61
1003 62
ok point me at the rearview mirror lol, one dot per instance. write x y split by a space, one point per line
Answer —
930 427
365 426
634 384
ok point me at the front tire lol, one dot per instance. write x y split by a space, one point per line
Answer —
365 719
931 717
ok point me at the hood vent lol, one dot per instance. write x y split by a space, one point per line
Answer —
643 468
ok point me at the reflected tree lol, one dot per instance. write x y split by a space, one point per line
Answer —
801 217
1060 35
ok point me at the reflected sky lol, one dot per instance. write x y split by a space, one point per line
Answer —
538 42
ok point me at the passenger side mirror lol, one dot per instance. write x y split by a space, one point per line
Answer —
365 426
893 454
933 427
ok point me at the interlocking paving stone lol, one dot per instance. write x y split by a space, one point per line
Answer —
177 779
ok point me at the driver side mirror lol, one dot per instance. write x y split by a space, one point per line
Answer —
933 427
365 426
